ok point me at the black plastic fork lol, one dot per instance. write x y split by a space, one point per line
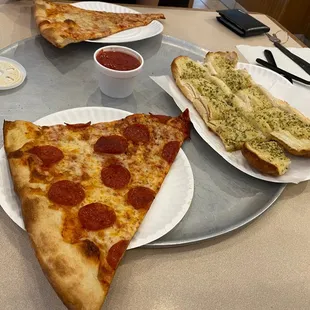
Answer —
269 56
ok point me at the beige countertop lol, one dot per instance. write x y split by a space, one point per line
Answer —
265 265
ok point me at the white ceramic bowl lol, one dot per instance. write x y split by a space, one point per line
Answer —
114 83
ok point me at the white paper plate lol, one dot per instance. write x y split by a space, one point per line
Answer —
278 86
130 35
167 210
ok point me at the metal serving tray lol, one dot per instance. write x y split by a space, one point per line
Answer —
59 79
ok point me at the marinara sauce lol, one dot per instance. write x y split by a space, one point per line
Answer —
118 60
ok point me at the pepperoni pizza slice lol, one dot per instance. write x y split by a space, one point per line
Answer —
84 191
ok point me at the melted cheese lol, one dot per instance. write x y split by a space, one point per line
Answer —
81 164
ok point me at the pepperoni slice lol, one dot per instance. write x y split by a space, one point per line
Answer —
161 118
96 216
116 252
170 151
78 126
115 176
111 145
48 154
137 133
140 197
66 193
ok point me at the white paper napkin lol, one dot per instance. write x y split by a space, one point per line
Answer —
253 52
300 167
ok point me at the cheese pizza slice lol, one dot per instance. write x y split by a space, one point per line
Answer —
84 191
62 24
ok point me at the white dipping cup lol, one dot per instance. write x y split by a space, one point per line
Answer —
115 83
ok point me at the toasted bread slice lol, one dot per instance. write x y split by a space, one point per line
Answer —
255 98
283 105
219 62
236 80
209 95
220 93
295 146
234 131
216 101
286 128
274 119
223 65
267 120
185 68
267 157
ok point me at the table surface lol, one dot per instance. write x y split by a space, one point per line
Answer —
262 266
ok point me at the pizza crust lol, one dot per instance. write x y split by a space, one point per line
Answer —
18 133
48 30
72 274
62 24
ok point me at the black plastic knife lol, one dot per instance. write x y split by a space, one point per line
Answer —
299 61
281 71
